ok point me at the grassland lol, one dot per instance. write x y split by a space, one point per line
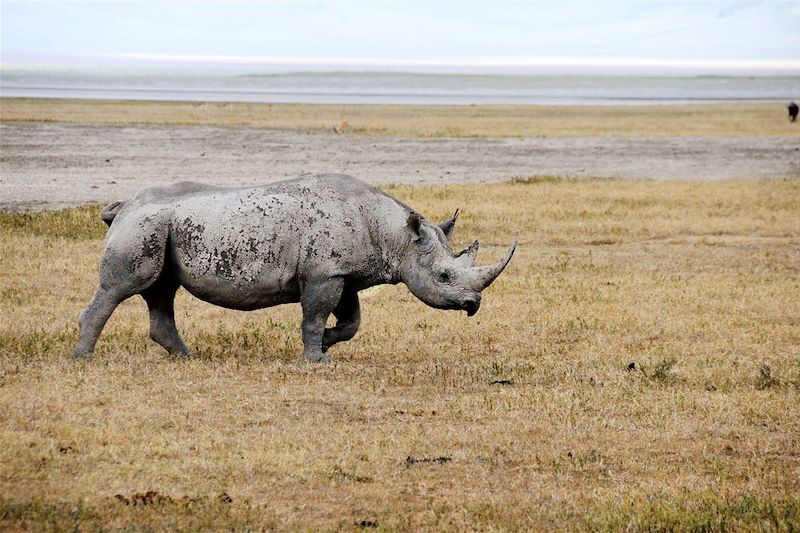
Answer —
723 120
636 367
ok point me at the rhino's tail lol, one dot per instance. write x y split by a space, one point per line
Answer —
110 211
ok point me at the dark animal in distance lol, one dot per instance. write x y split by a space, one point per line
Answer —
316 240
792 107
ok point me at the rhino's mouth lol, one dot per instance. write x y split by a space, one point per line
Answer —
471 307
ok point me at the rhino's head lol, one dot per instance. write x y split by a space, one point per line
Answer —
439 277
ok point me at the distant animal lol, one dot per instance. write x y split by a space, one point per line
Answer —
792 107
317 240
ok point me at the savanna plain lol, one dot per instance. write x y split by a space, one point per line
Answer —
636 367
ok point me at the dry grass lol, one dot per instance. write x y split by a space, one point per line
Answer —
717 120
524 417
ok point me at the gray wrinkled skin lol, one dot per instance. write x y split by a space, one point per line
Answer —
316 240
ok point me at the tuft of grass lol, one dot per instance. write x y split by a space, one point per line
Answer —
661 371
341 475
535 180
545 179
765 379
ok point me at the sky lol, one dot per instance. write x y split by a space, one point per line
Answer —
404 35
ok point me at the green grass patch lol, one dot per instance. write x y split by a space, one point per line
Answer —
80 223
702 511
137 512
694 512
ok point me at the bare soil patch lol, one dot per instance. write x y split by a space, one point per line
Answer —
45 166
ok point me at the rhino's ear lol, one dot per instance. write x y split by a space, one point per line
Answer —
448 226
414 225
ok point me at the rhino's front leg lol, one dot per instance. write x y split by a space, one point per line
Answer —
348 318
160 298
319 299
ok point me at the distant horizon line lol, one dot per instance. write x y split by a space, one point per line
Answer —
488 63
393 64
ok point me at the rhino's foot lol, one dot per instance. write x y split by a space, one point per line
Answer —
181 354
82 354
317 357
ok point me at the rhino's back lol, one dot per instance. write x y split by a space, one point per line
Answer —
326 185
163 194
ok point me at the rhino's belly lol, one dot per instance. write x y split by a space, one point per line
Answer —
238 296
233 275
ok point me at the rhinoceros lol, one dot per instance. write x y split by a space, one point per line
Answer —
317 240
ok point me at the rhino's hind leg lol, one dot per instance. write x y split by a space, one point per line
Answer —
93 319
132 261
160 298
318 300
348 318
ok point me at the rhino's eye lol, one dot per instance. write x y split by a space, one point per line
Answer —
444 276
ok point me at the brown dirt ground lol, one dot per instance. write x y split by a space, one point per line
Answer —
45 166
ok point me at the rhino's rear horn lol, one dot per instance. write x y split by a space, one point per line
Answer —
485 275
468 255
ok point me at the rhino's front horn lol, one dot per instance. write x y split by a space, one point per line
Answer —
485 275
